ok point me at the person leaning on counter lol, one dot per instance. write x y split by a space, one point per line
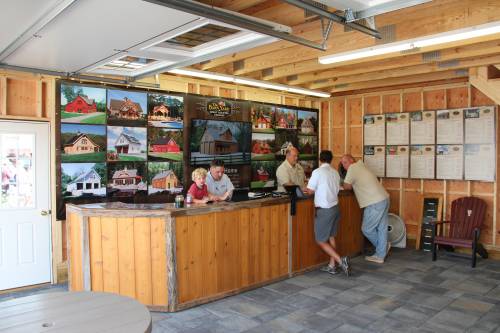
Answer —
219 183
290 172
325 185
374 199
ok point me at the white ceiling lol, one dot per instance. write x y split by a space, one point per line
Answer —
90 33
17 16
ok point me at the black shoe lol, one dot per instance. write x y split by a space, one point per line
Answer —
331 270
346 265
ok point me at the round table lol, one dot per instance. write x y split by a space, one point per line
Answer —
72 312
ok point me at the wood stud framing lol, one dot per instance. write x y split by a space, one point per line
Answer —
405 192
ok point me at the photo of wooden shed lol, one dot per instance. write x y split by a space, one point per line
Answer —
218 141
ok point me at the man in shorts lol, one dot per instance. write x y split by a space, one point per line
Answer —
325 184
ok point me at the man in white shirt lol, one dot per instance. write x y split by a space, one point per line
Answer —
290 172
219 183
374 199
325 184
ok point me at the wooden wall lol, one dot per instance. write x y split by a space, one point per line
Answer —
342 132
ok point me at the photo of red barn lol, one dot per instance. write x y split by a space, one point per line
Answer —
81 104
165 145
262 174
260 147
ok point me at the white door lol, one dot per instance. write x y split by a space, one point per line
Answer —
25 256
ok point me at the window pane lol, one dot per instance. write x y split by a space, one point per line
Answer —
17 169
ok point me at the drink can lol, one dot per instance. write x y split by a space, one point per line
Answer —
179 201
189 199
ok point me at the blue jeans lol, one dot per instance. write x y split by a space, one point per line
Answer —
374 226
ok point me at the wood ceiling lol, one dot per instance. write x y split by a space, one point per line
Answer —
288 63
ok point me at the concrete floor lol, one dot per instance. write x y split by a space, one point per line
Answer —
409 293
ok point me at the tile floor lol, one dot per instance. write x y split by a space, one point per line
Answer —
409 293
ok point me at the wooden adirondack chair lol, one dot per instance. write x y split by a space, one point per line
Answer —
467 217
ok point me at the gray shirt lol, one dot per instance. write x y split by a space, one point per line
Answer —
219 187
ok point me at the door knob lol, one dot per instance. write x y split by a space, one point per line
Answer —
45 212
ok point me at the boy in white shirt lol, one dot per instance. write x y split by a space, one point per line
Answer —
325 184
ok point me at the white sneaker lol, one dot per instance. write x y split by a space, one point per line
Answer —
375 259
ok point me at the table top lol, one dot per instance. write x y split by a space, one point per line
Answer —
73 312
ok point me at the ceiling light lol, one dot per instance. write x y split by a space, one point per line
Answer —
426 41
261 84
249 82
203 74
308 92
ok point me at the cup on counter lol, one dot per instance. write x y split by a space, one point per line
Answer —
179 201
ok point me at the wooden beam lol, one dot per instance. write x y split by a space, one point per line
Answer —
39 98
401 80
431 18
3 95
312 70
407 71
459 82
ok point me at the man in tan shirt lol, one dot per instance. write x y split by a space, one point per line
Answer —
374 199
290 172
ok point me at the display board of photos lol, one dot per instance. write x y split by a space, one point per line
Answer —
444 144
274 130
118 144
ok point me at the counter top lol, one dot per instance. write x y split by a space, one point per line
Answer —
168 209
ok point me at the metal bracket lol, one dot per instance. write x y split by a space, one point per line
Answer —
325 31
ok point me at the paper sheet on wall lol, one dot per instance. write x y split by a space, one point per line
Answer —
398 128
480 162
397 161
422 159
423 125
449 162
480 125
450 126
374 130
374 159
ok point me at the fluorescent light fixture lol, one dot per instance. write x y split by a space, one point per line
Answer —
202 74
377 2
260 84
426 41
249 82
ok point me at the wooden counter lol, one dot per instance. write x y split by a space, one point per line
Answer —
170 259
307 254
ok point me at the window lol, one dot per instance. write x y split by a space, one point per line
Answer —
202 35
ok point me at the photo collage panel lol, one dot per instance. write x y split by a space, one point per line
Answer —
276 129
119 144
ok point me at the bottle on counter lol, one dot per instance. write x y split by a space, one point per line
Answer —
189 199
179 201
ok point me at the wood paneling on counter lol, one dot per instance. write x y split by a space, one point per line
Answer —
349 239
223 252
126 255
